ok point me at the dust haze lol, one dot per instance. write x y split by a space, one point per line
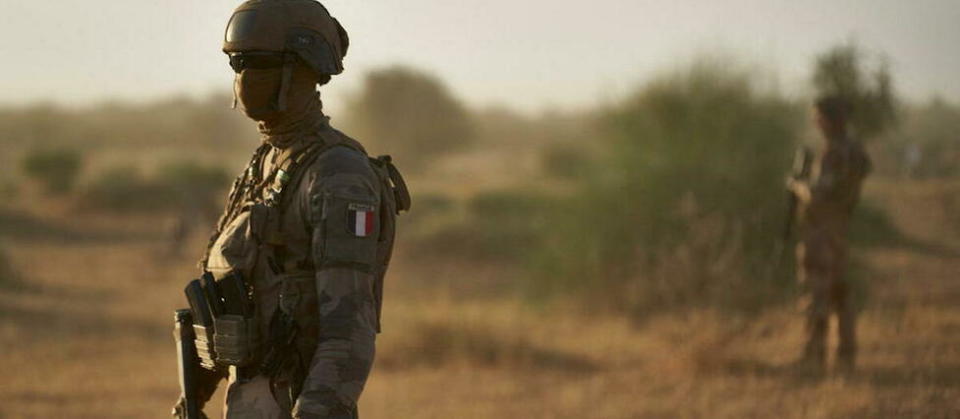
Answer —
615 256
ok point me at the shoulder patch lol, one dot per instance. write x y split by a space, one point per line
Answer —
361 219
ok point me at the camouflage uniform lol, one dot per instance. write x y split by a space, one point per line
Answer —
822 250
309 223
307 262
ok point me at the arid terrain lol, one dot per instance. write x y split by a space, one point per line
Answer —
85 332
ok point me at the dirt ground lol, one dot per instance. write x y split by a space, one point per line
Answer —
85 332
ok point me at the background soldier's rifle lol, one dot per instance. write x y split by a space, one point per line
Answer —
802 162
802 165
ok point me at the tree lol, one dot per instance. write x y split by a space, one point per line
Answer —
685 200
842 71
410 114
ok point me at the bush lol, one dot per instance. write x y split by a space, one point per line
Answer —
56 168
565 161
177 185
841 71
8 276
494 226
193 185
124 188
411 115
687 202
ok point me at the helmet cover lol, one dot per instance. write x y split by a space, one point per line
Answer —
303 27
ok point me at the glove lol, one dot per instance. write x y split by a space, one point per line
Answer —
180 410
339 412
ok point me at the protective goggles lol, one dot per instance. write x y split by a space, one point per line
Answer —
259 60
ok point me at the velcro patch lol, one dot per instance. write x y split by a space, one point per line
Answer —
360 219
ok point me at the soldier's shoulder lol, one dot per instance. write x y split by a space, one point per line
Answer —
342 166
344 155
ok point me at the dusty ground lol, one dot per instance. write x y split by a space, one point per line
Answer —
85 333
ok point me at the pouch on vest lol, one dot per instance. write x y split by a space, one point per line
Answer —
224 324
351 227
235 250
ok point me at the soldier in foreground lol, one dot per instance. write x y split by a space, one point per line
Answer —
289 304
826 202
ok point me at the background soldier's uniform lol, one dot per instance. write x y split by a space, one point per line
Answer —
822 251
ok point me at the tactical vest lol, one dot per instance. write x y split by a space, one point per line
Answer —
249 231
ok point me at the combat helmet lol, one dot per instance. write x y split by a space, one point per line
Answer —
278 33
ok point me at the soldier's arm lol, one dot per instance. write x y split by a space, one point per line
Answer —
344 252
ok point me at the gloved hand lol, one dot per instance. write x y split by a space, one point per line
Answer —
180 410
339 412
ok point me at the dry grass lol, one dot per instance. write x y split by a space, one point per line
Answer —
88 335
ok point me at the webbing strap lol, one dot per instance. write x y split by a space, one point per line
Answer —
239 191
289 59
288 176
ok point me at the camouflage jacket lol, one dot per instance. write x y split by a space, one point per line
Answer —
315 243
835 188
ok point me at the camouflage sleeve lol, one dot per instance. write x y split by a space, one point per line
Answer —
829 177
344 251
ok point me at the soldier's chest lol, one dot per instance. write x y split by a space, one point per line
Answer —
269 234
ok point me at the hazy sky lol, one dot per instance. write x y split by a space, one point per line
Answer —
525 53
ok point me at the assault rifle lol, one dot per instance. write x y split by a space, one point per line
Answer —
217 330
802 162
188 365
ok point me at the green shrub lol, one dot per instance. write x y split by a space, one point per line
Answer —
565 161
686 203
176 185
55 168
124 188
194 185
497 225
842 71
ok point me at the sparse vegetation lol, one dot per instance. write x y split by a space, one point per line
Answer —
682 206
566 161
56 169
412 114
8 276
641 225
927 145
177 185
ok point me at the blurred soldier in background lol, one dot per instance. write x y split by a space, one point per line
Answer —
827 202
309 226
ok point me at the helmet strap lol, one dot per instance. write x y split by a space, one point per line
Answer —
234 105
289 59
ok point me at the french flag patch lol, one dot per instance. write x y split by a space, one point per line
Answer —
360 219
